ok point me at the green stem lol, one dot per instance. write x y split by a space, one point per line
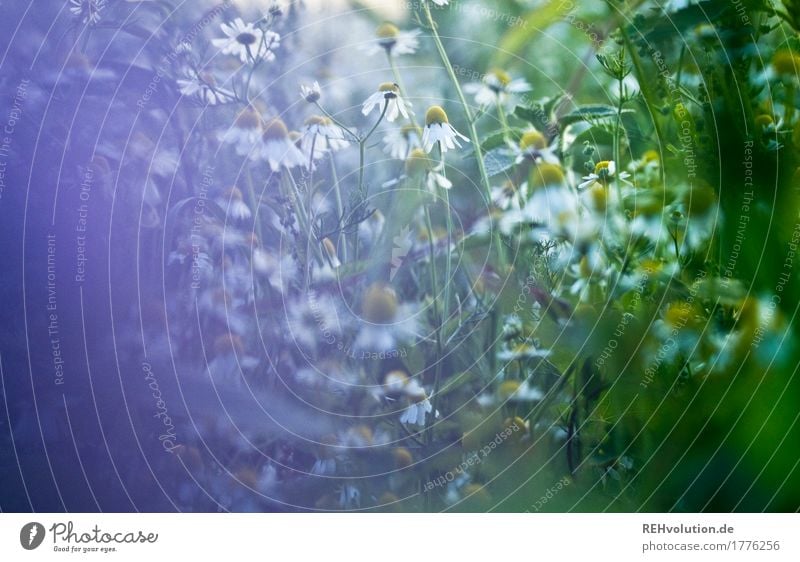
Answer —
438 320
647 93
448 257
473 133
339 207
336 122
399 80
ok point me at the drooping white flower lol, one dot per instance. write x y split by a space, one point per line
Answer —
312 93
418 164
439 130
87 10
393 41
388 93
277 148
234 204
398 143
245 133
202 86
496 87
322 135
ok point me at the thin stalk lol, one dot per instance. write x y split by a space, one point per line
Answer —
339 207
399 80
647 93
473 133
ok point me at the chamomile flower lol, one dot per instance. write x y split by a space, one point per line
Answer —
419 165
312 93
439 130
385 321
245 133
393 41
518 391
322 135
87 10
234 204
533 146
277 148
495 88
419 405
202 86
388 93
399 142
604 171
247 42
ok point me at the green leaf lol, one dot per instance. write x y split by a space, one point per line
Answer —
531 25
591 113
499 160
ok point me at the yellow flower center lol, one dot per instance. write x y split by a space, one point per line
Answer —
395 380
402 457
533 139
380 304
434 115
507 389
409 130
389 87
764 120
598 194
585 268
275 129
234 193
786 62
248 118
603 169
318 120
650 156
418 163
700 200
678 314
546 174
501 76
387 31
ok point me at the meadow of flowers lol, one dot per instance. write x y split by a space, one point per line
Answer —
524 255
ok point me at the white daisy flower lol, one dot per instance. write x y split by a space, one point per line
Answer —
441 2
247 41
385 321
419 404
277 148
533 146
398 143
514 390
312 93
87 10
246 131
233 202
313 320
388 92
322 135
419 164
603 172
393 41
439 130
496 87
280 271
202 86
